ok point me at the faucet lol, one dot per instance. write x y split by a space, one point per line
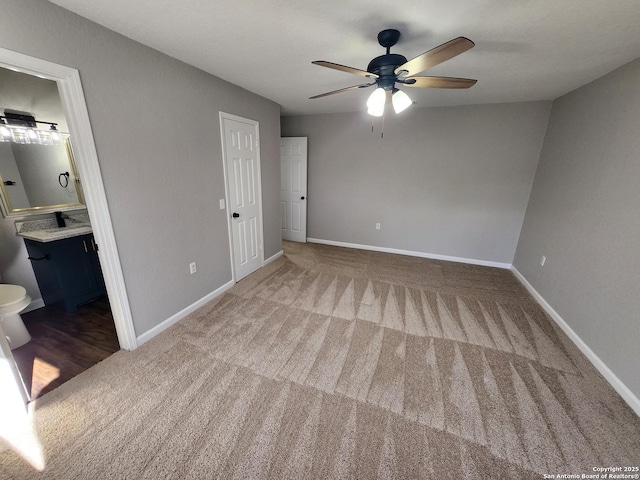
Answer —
60 219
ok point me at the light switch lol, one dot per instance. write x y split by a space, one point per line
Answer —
222 204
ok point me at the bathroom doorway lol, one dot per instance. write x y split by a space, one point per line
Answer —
75 110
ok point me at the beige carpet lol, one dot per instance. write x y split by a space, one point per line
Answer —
338 363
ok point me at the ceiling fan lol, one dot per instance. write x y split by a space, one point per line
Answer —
391 68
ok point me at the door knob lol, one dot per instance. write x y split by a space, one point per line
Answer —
301 198
235 215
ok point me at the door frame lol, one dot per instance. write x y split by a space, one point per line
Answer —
86 158
229 116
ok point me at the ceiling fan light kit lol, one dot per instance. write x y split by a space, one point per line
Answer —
400 101
378 99
376 102
391 68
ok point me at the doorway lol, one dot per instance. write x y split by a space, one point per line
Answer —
75 110
241 157
293 188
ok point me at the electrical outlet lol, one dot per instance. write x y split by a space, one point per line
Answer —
377 226
542 260
192 268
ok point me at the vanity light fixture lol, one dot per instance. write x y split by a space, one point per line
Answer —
23 129
49 137
5 133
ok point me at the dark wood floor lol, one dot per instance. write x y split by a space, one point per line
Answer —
64 345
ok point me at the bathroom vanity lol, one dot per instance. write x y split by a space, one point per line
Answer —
65 262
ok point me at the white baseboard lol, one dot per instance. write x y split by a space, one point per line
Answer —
624 391
149 334
272 258
34 305
472 261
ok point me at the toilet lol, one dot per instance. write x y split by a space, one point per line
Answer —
13 299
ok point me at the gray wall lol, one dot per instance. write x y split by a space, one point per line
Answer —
448 181
10 172
156 128
583 215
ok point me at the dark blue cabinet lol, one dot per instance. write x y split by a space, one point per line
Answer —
68 271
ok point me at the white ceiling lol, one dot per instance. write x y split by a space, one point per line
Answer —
525 49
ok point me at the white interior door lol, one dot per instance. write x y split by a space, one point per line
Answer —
293 188
244 199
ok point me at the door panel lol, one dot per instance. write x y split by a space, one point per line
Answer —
243 174
242 239
296 217
283 214
251 181
293 188
237 176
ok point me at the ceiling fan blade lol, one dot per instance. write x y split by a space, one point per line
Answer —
355 87
344 68
440 82
435 56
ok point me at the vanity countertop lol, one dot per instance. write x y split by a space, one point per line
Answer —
57 233
47 230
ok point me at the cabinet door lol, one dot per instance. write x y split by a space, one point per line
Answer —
75 269
45 271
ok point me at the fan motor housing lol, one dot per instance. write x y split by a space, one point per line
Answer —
384 66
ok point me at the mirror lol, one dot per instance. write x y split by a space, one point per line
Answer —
37 179
36 174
